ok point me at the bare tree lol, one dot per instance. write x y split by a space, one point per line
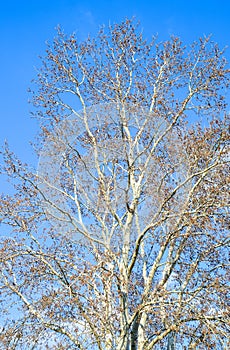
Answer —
120 239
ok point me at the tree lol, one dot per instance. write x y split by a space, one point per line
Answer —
120 239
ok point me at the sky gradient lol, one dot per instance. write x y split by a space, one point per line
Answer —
25 26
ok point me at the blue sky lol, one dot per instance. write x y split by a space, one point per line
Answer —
26 25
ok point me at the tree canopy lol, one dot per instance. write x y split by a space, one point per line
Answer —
120 239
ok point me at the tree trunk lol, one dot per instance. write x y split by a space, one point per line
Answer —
171 341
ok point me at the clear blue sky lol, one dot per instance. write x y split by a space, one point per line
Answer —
26 25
